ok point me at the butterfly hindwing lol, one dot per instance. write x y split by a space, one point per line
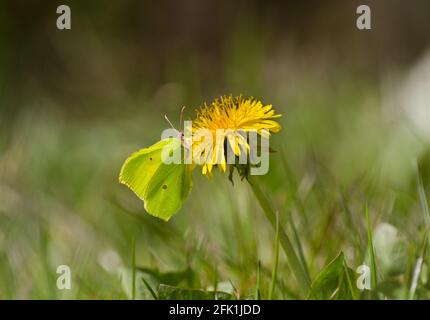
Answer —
163 187
168 190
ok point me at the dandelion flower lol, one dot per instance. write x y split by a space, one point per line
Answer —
232 116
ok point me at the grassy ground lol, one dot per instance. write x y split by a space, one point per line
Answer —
337 154
60 203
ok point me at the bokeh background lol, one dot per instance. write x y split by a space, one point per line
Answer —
75 103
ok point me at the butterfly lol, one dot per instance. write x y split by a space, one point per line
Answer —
162 186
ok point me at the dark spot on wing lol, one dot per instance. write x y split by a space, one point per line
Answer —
164 186
150 158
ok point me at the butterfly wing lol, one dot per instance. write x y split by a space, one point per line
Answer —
168 189
163 187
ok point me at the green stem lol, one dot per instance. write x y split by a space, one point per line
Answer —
300 274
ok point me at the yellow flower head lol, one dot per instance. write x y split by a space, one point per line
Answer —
235 116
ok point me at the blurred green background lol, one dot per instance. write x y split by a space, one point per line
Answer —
75 103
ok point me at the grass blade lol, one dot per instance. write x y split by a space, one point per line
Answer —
257 286
298 245
350 282
133 265
408 273
153 294
275 266
418 267
294 262
423 199
371 250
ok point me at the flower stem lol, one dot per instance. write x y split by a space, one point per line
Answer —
299 272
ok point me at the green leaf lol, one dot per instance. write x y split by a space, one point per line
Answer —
150 289
147 280
166 292
335 281
224 286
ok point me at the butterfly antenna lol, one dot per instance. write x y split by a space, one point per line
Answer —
181 118
167 119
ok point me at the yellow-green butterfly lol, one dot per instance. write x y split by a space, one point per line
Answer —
162 187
